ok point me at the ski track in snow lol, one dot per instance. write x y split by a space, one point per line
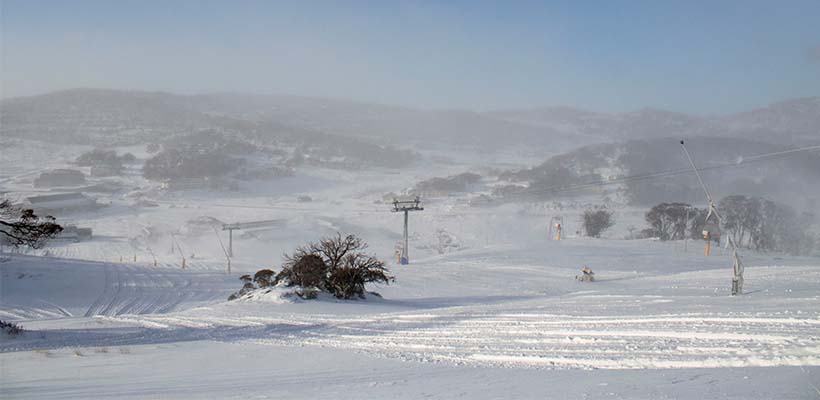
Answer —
125 289
138 290
501 339
576 342
144 305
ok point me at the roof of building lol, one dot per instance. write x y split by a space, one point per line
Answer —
56 197
63 172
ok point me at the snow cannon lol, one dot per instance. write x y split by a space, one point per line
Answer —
707 238
586 275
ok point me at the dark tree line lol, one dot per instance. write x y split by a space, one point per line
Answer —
672 221
101 157
753 222
762 224
187 163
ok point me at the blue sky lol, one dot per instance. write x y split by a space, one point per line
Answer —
702 57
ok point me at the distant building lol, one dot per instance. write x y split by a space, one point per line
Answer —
102 187
60 177
62 201
482 201
187 184
73 233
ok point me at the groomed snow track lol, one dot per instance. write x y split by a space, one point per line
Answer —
103 288
561 341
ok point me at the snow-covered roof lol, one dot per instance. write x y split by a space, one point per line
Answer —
55 197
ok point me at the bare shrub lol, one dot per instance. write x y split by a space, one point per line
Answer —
307 271
597 221
10 328
336 264
264 278
348 281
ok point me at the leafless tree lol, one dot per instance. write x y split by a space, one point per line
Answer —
668 221
597 221
23 227
336 264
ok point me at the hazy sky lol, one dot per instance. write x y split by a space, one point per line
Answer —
705 57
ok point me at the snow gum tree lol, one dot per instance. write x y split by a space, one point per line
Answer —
765 225
335 264
668 221
597 221
23 227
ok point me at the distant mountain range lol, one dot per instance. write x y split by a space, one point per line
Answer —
793 121
82 115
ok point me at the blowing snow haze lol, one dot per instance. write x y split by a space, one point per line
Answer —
358 199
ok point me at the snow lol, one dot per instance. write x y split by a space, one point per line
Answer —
637 321
501 316
251 371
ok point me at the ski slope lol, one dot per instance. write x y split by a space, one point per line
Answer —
638 318
36 287
498 316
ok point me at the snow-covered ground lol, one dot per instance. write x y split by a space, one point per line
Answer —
499 316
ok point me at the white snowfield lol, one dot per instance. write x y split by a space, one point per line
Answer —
485 309
498 316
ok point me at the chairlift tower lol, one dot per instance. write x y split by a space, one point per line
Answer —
737 266
406 206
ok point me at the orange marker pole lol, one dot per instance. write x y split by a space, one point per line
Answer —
706 237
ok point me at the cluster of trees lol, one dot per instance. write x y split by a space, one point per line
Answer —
548 180
328 151
337 265
176 163
455 183
102 157
752 222
762 224
674 221
209 141
203 154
